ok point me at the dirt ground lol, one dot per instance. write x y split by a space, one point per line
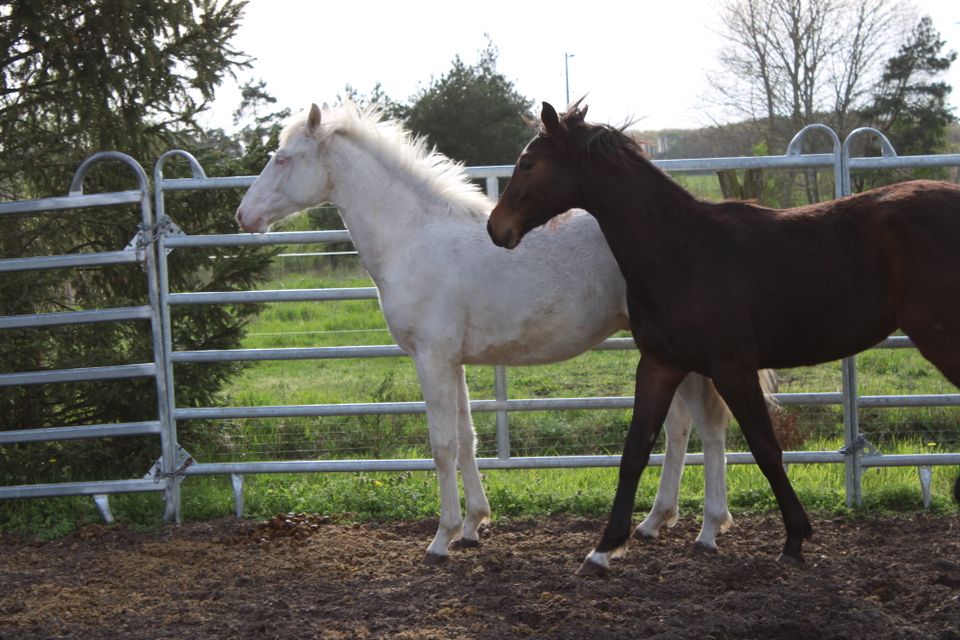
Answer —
304 577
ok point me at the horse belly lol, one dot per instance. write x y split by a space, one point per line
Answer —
536 343
824 330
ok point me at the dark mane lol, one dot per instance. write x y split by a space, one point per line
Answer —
601 142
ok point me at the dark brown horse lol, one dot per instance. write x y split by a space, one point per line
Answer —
725 289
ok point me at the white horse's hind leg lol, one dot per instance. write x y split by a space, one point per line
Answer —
438 378
712 416
478 509
665 506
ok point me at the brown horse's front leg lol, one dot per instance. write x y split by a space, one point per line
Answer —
742 393
656 383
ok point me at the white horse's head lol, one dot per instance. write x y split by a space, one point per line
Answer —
293 180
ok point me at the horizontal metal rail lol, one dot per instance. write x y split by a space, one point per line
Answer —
480 406
911 400
517 462
80 489
553 462
71 261
697 165
76 201
75 317
904 162
280 295
81 432
205 184
258 239
87 374
289 353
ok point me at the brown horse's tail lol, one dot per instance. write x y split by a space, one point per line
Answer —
956 490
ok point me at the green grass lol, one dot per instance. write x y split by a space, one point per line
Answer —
380 496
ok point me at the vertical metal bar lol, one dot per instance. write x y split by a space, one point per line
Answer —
926 482
499 372
853 471
503 422
493 187
164 362
851 432
102 501
236 481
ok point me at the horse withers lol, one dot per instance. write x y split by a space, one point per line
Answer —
724 289
451 298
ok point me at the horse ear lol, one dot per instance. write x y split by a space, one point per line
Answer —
313 120
550 119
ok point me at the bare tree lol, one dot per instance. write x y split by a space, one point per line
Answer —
791 62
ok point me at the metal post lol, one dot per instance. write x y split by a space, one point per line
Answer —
503 422
169 454
853 441
236 481
851 432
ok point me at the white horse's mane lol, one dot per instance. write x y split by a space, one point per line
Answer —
429 171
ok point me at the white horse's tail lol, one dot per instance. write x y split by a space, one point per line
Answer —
784 425
769 384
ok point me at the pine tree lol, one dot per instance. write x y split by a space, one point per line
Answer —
132 76
911 106
473 113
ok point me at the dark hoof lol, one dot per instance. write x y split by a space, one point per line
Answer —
465 543
434 559
793 561
591 569
640 535
700 549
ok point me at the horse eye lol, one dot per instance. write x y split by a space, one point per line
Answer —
525 164
281 159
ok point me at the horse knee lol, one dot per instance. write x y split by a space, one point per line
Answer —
444 454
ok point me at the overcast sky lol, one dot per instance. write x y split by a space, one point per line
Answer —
636 59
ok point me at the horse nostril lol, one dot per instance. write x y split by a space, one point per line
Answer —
503 241
239 217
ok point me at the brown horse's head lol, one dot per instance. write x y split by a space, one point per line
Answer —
544 183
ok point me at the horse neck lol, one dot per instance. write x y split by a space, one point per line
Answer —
640 210
378 210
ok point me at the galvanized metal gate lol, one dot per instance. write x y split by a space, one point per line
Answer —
138 251
156 243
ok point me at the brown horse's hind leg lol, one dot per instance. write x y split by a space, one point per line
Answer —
742 393
939 343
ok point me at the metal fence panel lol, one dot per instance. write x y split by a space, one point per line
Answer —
157 240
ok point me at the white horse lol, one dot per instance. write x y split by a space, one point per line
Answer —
450 297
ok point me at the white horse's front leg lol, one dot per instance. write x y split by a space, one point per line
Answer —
478 509
665 507
438 381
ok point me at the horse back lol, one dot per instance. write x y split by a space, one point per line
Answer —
785 288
